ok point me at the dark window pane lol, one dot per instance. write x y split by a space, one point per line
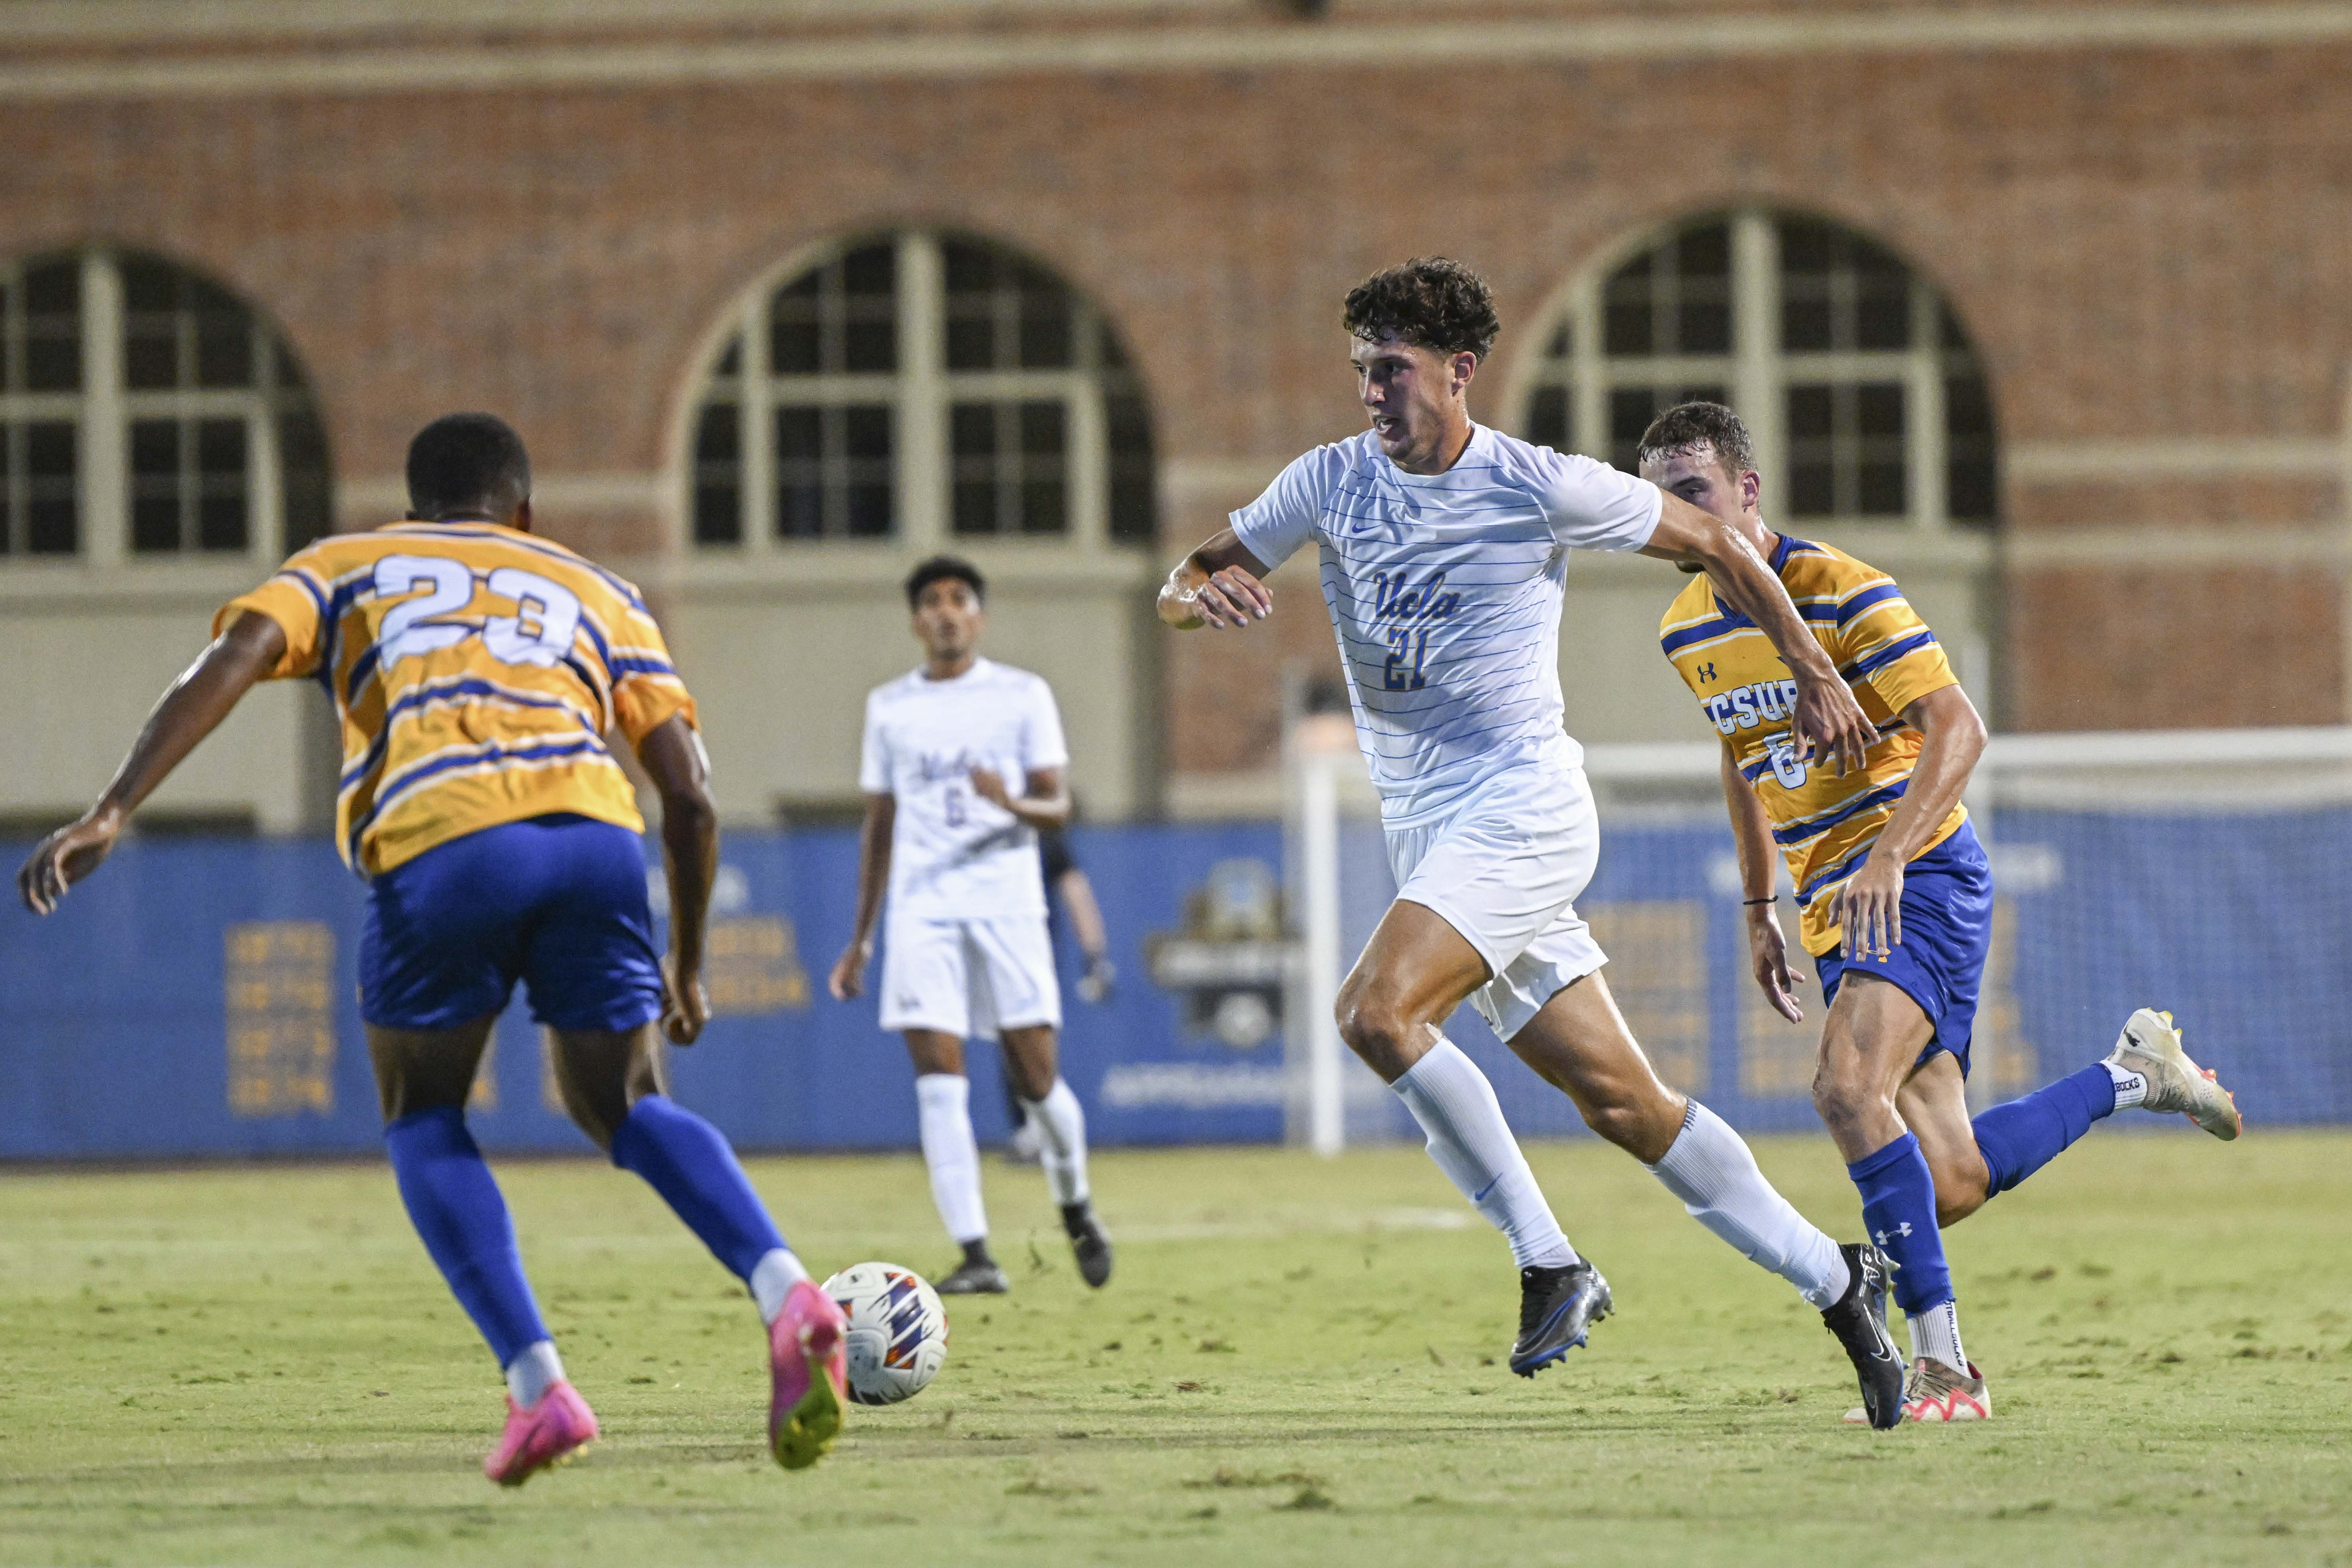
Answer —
1562 343
1625 325
10 438
221 509
719 474
869 286
1133 512
1804 324
971 430
1810 490
148 285
155 487
150 356
1970 484
800 506
155 448
52 510
971 343
1042 429
1550 423
1806 246
1704 326
871 271
53 327
306 486
1880 488
731 362
872 346
1883 318
220 447
1631 409
975 506
718 513
719 435
1043 507
870 508
1878 407
793 345
1808 413
1967 410
800 435
866 431
1704 251
1047 337
224 350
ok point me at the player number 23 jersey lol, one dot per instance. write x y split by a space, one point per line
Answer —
476 670
1823 825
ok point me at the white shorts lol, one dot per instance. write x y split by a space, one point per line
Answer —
1504 868
970 977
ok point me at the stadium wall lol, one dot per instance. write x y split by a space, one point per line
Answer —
198 998
551 220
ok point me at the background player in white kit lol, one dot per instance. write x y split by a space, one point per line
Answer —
1443 545
967 950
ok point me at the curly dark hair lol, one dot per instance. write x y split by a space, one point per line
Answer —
941 569
1689 425
1431 301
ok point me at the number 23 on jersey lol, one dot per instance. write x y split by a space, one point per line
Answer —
540 632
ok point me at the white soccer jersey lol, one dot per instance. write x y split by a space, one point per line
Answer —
1445 593
953 855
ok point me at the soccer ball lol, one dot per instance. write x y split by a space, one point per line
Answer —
898 1331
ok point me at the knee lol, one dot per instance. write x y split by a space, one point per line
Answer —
1959 1191
1843 1100
1378 1030
1620 1119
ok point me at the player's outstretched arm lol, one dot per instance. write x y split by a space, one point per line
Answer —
848 978
1216 585
1760 872
675 760
1951 737
191 708
1829 723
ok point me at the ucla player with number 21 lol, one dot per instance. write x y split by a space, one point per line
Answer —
476 670
1443 545
1895 897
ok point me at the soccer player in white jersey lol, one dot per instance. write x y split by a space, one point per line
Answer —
966 952
1443 545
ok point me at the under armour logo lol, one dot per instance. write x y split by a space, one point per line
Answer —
1904 1229
1706 671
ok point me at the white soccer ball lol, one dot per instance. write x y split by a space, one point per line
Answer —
898 1331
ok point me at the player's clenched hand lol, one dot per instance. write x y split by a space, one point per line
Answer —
1231 597
989 784
1830 724
1870 908
1768 956
686 1006
63 859
847 981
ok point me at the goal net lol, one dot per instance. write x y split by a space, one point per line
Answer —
2206 872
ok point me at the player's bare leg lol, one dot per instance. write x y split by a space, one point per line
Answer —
951 1155
614 1083
423 1078
1870 1046
1031 1061
1580 1043
1412 975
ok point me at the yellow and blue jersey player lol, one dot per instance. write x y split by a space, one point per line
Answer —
476 670
1894 895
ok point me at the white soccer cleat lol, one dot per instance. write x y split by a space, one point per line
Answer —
1936 1395
2150 1047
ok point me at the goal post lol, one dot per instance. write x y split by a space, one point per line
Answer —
2202 868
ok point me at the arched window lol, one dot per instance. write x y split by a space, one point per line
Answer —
146 413
1862 392
922 387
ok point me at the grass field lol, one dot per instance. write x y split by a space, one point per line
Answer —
1297 1362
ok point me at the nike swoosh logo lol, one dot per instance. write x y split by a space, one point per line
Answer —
1481 1197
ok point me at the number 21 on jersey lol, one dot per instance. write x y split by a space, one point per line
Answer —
1408 649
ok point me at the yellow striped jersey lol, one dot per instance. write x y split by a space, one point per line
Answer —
476 670
1824 825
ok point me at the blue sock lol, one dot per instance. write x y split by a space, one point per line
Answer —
455 1204
2020 1138
686 1159
1898 1209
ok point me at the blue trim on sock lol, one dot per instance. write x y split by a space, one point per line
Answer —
2020 1137
689 1162
455 1204
1898 1208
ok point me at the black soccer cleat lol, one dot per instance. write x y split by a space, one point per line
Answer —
977 1275
1858 1320
1089 1245
1556 1307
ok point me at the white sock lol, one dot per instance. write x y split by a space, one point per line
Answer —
1472 1145
943 1100
1936 1332
1711 1169
772 1278
2131 1088
535 1369
1061 1124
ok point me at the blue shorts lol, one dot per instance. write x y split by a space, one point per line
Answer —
557 902
1947 928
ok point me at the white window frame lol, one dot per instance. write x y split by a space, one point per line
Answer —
921 391
102 412
1757 371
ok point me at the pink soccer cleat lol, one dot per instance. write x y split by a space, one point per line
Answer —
812 1373
546 1433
